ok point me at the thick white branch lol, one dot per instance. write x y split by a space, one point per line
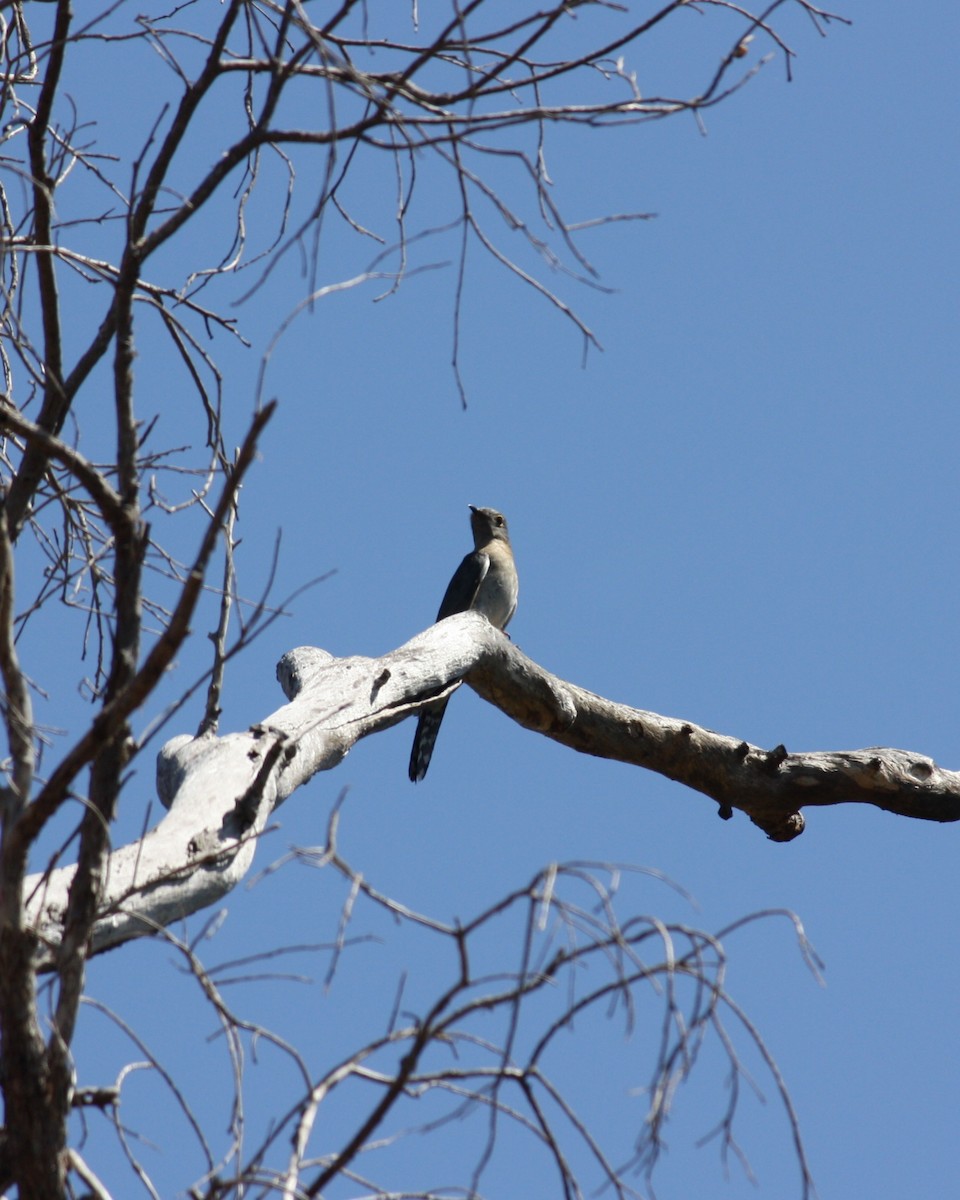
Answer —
221 791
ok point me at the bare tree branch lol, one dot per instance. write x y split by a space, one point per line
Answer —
471 95
206 844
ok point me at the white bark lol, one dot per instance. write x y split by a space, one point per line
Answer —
221 791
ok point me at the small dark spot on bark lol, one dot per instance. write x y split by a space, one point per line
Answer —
786 828
378 683
776 757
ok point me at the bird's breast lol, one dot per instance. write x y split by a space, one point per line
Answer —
497 594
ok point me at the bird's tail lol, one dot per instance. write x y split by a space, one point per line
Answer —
428 726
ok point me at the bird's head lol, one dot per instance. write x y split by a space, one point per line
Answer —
487 524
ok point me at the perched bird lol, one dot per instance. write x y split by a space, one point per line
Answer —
486 581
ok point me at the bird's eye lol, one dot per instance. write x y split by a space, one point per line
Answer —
499 520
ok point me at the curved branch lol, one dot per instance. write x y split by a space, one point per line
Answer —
93 480
220 792
770 786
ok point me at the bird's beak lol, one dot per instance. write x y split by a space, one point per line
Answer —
472 507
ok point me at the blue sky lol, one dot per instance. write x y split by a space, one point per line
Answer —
741 512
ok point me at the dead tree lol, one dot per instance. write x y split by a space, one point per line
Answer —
120 539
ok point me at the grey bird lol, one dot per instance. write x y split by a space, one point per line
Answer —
486 582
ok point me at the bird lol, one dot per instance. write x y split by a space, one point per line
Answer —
485 582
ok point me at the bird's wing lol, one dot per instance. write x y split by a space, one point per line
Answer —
463 587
